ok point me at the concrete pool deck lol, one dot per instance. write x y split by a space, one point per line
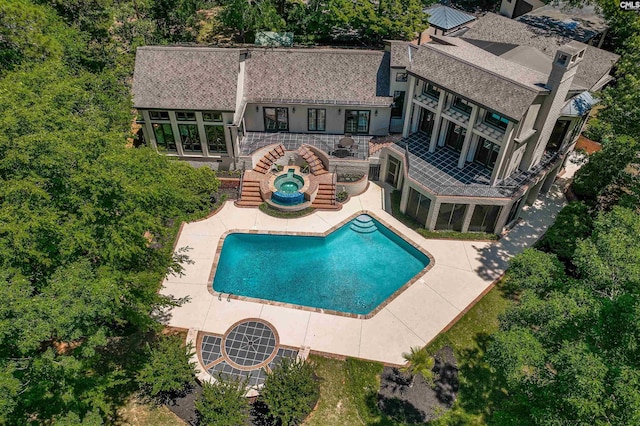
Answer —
463 272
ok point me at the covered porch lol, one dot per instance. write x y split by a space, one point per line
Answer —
358 150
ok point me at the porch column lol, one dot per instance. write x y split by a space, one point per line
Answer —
202 134
502 154
467 136
149 128
467 217
176 133
410 107
437 122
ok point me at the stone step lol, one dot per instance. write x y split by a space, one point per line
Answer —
251 198
325 197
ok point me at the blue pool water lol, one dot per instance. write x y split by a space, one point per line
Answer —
353 269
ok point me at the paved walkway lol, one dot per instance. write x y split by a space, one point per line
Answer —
462 271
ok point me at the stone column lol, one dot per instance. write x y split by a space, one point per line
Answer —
437 121
467 138
176 133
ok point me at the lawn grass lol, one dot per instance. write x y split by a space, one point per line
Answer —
449 235
142 414
348 388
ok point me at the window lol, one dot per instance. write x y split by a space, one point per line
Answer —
462 105
427 120
430 90
450 217
401 76
190 138
212 116
484 218
276 119
159 115
316 120
185 116
487 153
398 104
455 136
418 206
496 120
557 135
164 136
215 139
356 121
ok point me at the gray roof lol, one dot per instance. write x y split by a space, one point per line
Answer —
346 76
190 78
495 83
400 53
495 28
446 18
578 23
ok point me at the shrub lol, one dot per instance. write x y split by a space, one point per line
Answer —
342 196
291 391
420 362
573 223
169 370
223 403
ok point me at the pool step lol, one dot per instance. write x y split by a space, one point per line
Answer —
363 224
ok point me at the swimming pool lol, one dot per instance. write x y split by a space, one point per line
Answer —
352 270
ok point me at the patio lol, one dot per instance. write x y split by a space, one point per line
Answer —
253 141
462 272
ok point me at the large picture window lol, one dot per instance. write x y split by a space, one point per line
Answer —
276 119
164 136
212 116
356 121
190 138
484 218
398 104
450 217
418 206
215 139
487 153
317 119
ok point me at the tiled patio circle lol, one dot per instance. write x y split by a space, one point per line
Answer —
249 344
246 351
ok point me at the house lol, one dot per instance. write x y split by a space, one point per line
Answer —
584 24
486 123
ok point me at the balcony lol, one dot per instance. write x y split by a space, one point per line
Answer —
438 171
253 141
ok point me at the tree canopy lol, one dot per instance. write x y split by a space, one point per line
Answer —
86 223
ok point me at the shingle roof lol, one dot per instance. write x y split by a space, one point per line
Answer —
446 18
489 80
191 78
400 53
491 27
579 23
337 75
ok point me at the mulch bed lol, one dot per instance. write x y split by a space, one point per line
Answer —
184 405
419 403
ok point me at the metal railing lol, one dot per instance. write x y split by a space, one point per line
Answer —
239 195
334 183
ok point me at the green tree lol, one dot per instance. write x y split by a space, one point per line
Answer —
223 403
536 271
244 18
573 223
603 167
169 370
290 391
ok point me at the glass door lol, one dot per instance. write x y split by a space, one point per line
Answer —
393 170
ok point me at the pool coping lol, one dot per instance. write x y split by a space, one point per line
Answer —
377 309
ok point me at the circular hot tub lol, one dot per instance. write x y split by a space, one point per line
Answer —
287 189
